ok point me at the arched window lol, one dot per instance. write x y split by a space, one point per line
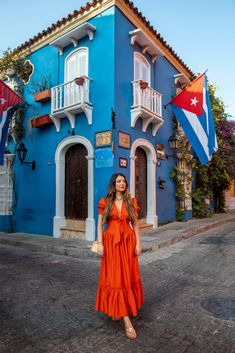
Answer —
76 64
141 68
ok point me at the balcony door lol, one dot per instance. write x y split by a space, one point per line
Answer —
76 65
141 68
142 72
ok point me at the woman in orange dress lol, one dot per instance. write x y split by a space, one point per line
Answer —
120 288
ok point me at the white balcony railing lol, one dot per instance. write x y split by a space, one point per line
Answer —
68 99
69 94
147 98
147 104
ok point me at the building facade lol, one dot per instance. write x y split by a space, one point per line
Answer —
110 76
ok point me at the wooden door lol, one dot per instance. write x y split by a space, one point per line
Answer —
76 182
141 181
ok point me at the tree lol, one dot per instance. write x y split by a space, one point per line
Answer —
214 179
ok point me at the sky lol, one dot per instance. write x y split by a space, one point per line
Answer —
200 32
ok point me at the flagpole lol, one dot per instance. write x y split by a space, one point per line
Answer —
166 105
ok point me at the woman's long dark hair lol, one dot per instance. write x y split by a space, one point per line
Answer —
110 197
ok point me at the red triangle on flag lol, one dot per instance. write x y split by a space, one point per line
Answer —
8 98
191 98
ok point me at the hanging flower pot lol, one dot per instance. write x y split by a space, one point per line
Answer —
41 120
143 84
79 80
42 96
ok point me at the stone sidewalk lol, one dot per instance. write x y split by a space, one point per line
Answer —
156 239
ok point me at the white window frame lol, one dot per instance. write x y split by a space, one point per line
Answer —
141 58
75 52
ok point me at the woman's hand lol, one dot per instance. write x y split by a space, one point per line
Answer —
138 248
100 249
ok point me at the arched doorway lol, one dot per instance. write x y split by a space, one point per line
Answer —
81 153
141 181
143 161
76 182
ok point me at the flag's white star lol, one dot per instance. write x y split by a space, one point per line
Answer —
3 100
194 101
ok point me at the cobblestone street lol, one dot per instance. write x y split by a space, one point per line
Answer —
47 301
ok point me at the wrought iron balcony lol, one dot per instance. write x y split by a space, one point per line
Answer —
147 104
69 99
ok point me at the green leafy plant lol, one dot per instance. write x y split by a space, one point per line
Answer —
181 178
200 208
13 63
16 127
216 176
42 84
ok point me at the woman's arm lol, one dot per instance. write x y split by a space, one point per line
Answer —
137 234
100 232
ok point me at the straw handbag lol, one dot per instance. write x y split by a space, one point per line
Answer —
94 246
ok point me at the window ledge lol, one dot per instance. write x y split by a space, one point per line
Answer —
138 36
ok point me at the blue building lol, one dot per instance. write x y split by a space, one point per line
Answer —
110 76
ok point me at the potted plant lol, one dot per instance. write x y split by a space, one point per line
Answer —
41 120
42 96
42 89
143 84
79 80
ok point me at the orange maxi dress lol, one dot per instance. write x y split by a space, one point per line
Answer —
120 289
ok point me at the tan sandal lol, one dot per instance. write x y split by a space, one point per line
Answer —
130 333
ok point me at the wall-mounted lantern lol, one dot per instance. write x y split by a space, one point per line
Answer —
21 153
173 141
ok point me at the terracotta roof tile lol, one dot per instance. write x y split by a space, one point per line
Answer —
59 23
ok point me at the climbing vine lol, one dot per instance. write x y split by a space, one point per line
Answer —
181 179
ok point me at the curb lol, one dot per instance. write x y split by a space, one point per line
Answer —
75 252
85 252
187 234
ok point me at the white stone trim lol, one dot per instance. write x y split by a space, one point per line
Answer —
59 219
6 185
152 217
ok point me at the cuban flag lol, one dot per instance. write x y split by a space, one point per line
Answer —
9 102
192 109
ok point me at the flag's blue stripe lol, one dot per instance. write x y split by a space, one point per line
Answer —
191 135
